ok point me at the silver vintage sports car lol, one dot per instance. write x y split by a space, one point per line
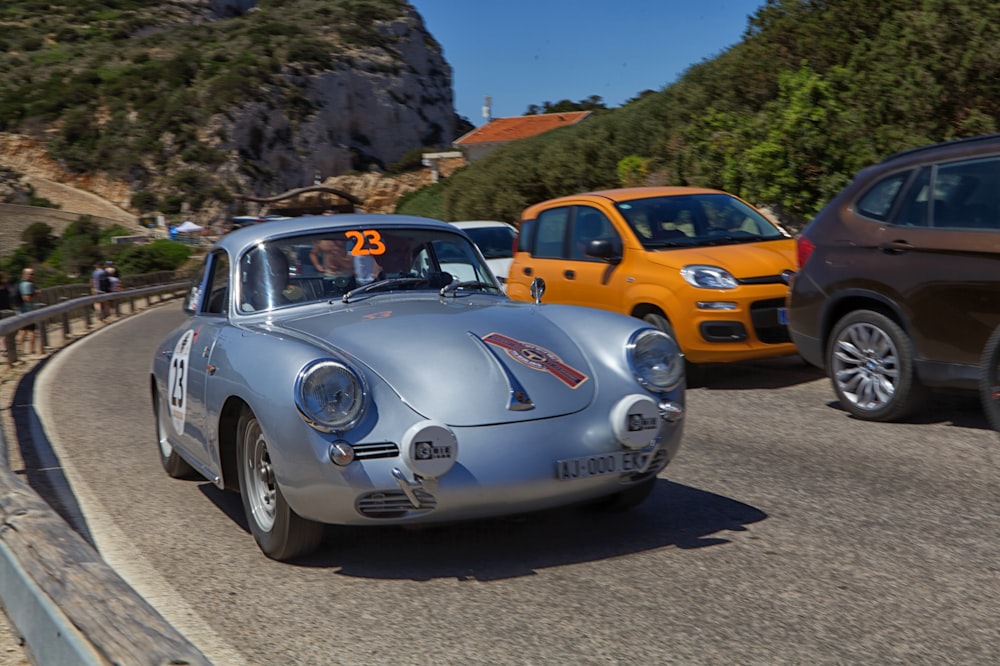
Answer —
367 370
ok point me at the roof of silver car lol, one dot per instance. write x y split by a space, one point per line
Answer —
238 239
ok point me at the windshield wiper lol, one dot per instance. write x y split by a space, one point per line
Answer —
455 285
729 240
652 245
380 284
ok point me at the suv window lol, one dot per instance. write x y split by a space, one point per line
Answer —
967 195
913 212
877 201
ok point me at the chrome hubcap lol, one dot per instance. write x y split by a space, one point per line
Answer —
260 478
865 366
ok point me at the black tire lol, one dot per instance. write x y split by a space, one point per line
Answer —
627 499
280 532
870 363
660 322
175 466
989 379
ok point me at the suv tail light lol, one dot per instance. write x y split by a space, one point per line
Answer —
803 250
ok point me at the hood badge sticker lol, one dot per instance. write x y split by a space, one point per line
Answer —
537 358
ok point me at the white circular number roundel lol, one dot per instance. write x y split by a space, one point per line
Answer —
636 421
430 448
177 381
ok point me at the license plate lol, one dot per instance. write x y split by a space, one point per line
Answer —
619 462
783 316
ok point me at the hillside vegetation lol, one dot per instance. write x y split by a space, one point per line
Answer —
191 105
191 102
815 91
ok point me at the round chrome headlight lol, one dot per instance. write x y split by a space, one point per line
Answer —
656 360
329 395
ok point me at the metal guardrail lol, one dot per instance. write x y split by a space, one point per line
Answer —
59 314
60 293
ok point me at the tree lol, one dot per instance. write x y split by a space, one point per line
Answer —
78 248
633 170
39 240
160 255
792 162
592 103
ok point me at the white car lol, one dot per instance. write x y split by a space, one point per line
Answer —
496 241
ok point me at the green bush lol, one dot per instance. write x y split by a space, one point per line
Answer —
160 255
425 202
144 201
39 240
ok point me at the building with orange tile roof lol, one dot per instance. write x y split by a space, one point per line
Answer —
483 140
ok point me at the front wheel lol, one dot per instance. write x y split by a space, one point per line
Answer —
989 379
280 532
870 361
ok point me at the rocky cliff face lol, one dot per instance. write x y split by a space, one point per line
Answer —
370 106
376 104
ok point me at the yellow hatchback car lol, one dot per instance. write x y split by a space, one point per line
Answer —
701 264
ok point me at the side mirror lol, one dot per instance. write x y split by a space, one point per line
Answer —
603 248
193 300
537 289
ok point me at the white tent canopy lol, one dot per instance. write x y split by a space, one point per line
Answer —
187 226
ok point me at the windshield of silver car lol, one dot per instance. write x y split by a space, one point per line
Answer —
323 266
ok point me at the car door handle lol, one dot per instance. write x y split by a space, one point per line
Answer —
895 247
569 274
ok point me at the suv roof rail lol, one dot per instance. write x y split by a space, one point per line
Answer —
968 139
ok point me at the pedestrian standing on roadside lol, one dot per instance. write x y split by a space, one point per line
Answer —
113 280
100 284
26 289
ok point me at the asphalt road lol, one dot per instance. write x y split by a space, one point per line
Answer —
785 532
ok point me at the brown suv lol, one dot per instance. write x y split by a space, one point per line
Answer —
898 286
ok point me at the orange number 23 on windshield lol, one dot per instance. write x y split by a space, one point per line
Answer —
368 241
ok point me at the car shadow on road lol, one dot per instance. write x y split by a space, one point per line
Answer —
779 372
674 515
957 408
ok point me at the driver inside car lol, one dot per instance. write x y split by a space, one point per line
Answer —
397 259
265 283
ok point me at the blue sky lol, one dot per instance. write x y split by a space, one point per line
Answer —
523 52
